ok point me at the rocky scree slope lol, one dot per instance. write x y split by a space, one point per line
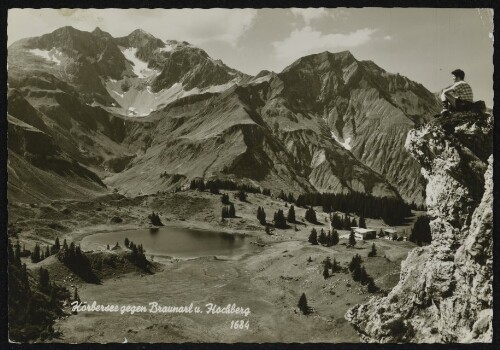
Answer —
445 289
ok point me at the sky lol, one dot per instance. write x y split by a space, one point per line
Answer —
423 44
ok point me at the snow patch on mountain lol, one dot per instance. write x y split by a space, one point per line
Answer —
346 143
261 79
141 101
139 67
54 55
168 47
213 88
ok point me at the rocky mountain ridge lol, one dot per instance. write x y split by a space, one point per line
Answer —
445 289
328 122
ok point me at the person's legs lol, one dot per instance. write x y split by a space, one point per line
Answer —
444 103
452 101
443 96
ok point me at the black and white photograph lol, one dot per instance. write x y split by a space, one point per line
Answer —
250 175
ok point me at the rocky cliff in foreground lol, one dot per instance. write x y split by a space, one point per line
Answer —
445 289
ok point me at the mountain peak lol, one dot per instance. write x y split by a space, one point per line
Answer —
101 33
323 60
140 38
66 31
141 33
346 56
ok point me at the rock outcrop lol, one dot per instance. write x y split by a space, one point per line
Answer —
445 289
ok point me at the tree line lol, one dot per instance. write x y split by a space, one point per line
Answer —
391 210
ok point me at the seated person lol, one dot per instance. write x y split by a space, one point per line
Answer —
457 97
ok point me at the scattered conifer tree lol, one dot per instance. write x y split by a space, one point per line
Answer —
224 213
335 237
291 214
261 215
311 215
44 279
327 263
279 219
355 261
326 272
155 219
303 304
372 288
56 247
352 239
363 276
225 199
356 274
335 266
35 255
232 211
313 237
373 252
242 196
322 237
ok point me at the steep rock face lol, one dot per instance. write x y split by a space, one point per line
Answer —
90 135
364 108
39 170
445 289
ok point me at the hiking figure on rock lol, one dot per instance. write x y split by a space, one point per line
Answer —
457 97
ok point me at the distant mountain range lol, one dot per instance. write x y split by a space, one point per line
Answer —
89 113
